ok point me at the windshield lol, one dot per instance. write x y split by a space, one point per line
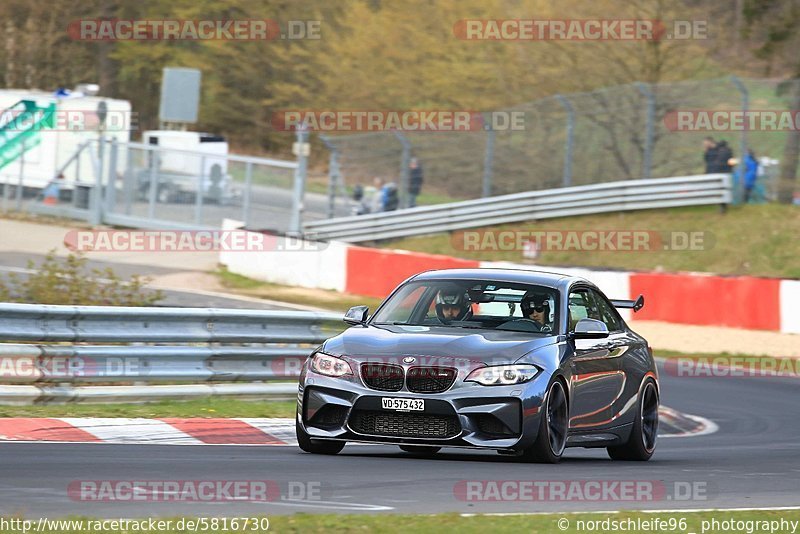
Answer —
473 304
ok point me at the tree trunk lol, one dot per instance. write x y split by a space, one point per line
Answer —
791 152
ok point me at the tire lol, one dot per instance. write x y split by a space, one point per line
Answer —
420 450
642 442
315 446
553 427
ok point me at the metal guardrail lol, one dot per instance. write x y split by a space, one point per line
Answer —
54 366
532 205
38 322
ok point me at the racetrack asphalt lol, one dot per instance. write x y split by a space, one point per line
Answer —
750 461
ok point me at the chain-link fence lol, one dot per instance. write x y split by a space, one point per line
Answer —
617 133
147 186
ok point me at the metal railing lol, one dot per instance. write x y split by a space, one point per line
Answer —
623 132
188 350
533 205
156 187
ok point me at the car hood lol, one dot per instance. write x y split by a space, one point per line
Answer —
490 347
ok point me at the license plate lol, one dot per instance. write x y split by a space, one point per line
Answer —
403 405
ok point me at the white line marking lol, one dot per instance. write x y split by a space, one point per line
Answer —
335 505
707 426
231 296
635 511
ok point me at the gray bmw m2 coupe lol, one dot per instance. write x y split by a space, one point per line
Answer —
523 362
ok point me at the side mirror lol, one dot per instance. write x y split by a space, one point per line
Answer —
590 329
356 315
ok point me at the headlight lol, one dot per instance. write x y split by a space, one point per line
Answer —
502 375
328 365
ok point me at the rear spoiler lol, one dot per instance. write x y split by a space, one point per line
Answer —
636 305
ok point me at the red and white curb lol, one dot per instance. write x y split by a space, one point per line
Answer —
219 431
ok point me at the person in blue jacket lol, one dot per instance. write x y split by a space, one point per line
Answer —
750 174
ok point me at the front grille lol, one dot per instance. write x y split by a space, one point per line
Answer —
430 379
407 425
382 376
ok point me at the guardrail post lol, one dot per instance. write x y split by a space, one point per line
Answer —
129 183
296 222
567 105
198 199
21 177
151 208
738 185
334 173
405 160
488 162
78 174
111 191
647 157
6 185
248 186
96 195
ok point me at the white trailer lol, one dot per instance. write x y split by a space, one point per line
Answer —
48 147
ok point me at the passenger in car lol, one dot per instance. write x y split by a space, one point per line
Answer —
536 307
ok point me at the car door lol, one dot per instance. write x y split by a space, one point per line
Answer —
598 378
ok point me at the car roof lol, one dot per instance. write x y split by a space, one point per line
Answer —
523 276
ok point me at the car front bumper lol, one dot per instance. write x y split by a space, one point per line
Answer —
504 418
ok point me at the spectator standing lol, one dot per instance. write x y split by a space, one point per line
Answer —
724 155
390 197
376 195
415 181
52 191
750 174
710 154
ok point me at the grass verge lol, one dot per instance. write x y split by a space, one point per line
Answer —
757 240
548 523
207 407
699 522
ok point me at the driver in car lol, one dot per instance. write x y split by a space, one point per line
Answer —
452 305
